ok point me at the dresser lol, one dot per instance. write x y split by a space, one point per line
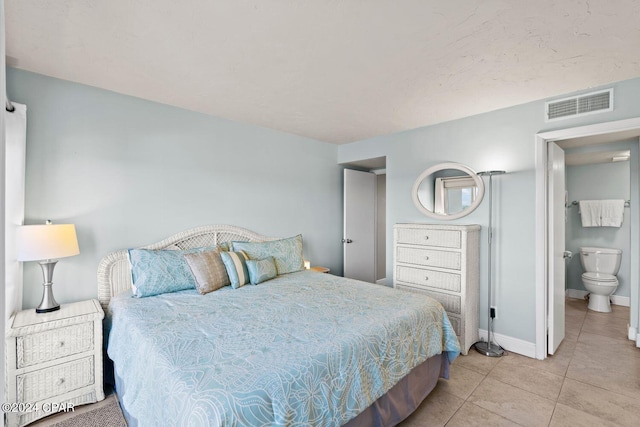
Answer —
54 361
442 261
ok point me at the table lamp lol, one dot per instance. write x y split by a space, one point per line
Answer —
45 243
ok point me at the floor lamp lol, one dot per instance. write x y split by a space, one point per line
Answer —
488 348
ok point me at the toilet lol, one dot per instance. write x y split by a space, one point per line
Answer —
601 266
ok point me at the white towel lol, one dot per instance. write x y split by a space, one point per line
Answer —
590 212
612 213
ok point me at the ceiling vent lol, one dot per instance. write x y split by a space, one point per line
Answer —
589 103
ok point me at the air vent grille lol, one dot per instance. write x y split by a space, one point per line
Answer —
597 102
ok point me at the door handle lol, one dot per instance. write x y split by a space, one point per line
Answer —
347 241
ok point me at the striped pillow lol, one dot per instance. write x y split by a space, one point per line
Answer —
236 265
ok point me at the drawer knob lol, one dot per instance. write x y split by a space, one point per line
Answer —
426 258
426 277
61 344
59 381
426 237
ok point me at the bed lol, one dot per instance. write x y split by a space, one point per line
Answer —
305 348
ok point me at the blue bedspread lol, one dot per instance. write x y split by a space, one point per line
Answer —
303 349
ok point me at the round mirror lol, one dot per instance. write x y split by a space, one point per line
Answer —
447 191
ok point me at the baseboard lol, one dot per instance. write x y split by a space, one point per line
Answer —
615 299
633 333
514 345
382 282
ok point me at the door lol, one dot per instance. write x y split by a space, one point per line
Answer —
555 238
359 238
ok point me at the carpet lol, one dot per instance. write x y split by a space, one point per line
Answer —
108 415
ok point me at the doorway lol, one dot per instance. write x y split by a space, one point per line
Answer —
364 235
545 290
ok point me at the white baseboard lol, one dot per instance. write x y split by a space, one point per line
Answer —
633 333
615 299
514 345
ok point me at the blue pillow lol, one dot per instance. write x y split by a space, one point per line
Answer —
158 272
261 270
236 265
286 252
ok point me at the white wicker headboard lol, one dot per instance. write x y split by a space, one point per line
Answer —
114 273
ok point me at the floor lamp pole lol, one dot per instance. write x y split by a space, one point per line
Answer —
487 348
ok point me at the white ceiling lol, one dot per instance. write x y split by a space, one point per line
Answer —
336 71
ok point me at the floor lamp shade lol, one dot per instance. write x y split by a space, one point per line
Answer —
46 243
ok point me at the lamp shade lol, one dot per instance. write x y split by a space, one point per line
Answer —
50 241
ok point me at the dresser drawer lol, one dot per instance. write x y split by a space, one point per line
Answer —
440 238
451 303
53 344
55 380
428 257
429 278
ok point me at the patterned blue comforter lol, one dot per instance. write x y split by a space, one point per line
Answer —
303 349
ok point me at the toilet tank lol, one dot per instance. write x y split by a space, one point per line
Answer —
600 260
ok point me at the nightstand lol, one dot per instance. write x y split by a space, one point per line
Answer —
54 360
320 269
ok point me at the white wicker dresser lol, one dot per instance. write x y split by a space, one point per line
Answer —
53 359
442 261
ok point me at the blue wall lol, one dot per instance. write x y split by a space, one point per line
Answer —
499 140
130 172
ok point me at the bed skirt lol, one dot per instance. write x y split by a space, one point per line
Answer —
390 409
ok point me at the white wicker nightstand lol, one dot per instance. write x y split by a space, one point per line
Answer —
53 358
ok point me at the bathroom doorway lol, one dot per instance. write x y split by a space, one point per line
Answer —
595 137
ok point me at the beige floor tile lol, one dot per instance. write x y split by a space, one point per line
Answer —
610 406
605 362
556 364
477 362
619 311
435 410
534 380
565 416
575 305
606 324
510 402
461 382
473 415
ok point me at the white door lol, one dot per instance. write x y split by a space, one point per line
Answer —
359 238
555 239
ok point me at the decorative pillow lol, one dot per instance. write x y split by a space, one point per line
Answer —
208 270
261 270
159 272
286 252
236 265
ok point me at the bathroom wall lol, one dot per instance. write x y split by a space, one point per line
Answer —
599 181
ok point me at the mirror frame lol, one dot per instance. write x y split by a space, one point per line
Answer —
441 166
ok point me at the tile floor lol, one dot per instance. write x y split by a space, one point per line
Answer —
592 380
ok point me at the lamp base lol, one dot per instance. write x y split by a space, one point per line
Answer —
488 349
47 310
48 303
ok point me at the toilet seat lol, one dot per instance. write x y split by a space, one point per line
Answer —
599 277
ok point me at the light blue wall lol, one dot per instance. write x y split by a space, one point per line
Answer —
503 140
594 182
130 172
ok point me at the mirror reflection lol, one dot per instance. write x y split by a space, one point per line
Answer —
448 191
